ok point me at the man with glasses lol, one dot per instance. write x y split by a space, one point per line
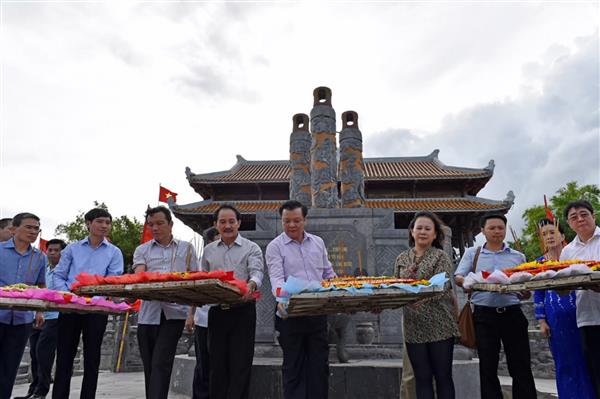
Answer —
586 246
20 262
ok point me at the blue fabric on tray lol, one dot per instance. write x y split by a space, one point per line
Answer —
295 285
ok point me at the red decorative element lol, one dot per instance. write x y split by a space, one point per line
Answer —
43 245
164 194
146 234
549 214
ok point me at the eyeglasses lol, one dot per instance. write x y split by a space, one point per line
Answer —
577 215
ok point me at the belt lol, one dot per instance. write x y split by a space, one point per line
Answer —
227 306
499 310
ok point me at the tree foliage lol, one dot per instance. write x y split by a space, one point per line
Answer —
529 240
125 232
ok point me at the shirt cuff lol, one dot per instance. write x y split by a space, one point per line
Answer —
257 281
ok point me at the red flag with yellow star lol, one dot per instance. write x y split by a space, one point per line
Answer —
164 194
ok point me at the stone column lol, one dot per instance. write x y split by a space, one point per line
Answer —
300 142
352 168
323 151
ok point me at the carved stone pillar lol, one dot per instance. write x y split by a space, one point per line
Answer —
300 142
323 151
352 168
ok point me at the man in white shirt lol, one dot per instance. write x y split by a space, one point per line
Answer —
586 246
160 324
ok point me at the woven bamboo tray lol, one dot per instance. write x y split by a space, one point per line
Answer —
191 292
319 303
561 283
46 306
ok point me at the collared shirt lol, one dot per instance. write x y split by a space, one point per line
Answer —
50 285
80 256
177 256
306 260
490 261
588 302
16 268
243 257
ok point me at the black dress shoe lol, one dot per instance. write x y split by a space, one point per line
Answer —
38 397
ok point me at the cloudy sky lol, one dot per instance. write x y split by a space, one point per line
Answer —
105 100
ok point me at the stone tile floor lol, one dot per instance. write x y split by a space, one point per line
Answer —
110 385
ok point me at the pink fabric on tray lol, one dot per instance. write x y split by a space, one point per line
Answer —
57 297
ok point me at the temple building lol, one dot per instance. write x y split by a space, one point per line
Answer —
321 176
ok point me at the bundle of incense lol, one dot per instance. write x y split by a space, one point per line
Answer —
342 282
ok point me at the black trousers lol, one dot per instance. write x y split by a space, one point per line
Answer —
42 349
590 343
201 384
305 356
13 340
507 326
432 360
70 327
158 344
231 350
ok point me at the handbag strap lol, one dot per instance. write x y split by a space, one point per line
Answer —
475 259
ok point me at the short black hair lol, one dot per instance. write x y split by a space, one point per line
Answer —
210 234
438 242
291 205
56 241
489 216
547 222
160 209
5 222
97 213
238 215
18 218
578 205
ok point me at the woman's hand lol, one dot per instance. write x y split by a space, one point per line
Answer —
544 328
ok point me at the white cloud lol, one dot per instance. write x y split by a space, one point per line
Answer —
102 101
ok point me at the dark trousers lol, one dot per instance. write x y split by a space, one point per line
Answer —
305 356
42 349
70 327
201 371
507 326
231 350
590 343
158 344
13 340
432 360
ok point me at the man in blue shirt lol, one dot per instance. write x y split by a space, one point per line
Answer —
498 317
93 255
19 263
42 342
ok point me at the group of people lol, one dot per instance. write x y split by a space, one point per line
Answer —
224 334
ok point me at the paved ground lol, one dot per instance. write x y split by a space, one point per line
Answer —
131 386
110 385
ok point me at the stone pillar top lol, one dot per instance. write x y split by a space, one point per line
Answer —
350 120
322 96
300 122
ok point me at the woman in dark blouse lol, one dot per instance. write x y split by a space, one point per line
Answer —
430 326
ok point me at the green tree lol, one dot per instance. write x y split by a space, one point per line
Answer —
529 239
125 232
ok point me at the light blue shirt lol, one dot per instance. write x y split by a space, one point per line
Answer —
490 261
178 256
16 268
80 256
50 285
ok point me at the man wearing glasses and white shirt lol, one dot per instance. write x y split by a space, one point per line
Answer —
160 324
586 246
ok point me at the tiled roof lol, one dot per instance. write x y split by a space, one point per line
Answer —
409 205
404 168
